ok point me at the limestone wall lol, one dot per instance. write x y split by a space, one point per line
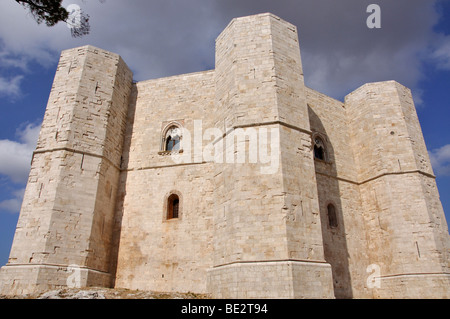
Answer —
404 221
260 216
345 246
68 207
155 253
252 219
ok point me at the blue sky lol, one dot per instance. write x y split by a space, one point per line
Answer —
163 38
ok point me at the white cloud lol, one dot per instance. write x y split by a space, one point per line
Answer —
23 41
9 61
162 38
10 87
21 37
441 52
15 162
15 156
340 53
28 133
440 160
13 205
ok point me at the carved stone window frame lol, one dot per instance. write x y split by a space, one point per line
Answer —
165 127
166 213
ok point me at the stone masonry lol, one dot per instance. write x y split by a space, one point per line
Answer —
347 206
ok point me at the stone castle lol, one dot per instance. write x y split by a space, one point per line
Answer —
119 196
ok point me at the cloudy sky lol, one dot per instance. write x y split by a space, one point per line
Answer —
160 38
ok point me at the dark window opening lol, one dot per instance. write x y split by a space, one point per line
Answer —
319 153
173 206
332 218
319 149
172 139
176 203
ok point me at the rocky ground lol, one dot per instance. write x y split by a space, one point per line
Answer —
107 293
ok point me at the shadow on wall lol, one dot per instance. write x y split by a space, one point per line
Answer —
121 191
331 217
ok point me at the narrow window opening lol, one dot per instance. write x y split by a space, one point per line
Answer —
318 153
169 144
332 218
319 149
173 206
176 204
172 139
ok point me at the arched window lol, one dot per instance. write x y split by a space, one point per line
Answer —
172 139
332 218
319 149
173 206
